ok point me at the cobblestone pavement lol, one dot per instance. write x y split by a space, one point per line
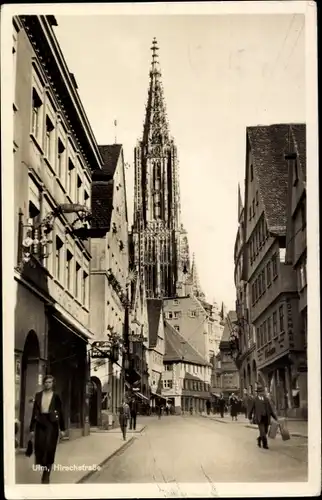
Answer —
194 449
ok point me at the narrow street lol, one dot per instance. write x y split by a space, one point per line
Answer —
195 449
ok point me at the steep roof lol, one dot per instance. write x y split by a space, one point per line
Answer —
299 137
268 146
177 348
102 204
154 307
230 318
110 154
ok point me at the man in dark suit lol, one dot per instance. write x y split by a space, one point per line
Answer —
133 413
260 412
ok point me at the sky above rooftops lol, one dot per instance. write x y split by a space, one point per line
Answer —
220 74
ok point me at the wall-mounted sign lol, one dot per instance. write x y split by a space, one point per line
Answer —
101 349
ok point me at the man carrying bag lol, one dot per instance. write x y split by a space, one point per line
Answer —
261 411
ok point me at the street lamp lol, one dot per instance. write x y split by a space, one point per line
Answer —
35 235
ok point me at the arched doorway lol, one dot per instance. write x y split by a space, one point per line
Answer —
95 401
29 383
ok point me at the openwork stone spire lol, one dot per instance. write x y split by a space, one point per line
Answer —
156 129
196 288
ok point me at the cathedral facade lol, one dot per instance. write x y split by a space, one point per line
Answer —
161 252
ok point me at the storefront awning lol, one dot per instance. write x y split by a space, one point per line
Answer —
142 396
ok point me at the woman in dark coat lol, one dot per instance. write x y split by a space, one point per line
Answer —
46 422
233 407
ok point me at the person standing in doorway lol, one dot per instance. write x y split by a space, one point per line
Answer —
133 413
47 422
261 412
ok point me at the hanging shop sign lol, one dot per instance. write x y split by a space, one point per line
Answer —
101 349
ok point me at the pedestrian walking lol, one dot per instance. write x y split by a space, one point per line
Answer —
245 403
261 412
133 413
222 404
233 406
124 416
47 422
208 405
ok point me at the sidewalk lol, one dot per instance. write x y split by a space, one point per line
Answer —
297 428
84 454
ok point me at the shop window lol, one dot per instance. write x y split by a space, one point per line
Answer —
281 317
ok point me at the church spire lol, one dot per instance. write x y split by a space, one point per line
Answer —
156 129
196 288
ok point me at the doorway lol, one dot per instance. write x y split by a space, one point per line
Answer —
95 402
29 383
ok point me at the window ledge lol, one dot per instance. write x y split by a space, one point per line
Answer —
36 143
48 163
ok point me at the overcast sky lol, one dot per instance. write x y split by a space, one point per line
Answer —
220 74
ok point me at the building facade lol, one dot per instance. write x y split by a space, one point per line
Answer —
227 380
156 350
160 242
273 293
186 376
108 282
189 317
247 356
296 255
54 154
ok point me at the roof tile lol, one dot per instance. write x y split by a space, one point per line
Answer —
154 310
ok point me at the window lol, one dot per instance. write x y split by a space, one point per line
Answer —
170 315
302 275
269 329
85 288
58 257
79 198
256 197
49 138
86 199
281 315
261 336
265 332
69 263
70 177
169 368
303 215
274 265
177 314
77 280
176 301
251 244
258 337
251 172
263 281
250 213
61 158
177 327
268 274
274 324
253 205
36 119
167 384
193 314
259 279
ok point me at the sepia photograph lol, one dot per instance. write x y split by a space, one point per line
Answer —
159 238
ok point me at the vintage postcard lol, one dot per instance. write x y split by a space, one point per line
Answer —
160 274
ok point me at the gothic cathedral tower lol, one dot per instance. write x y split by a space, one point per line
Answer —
161 253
